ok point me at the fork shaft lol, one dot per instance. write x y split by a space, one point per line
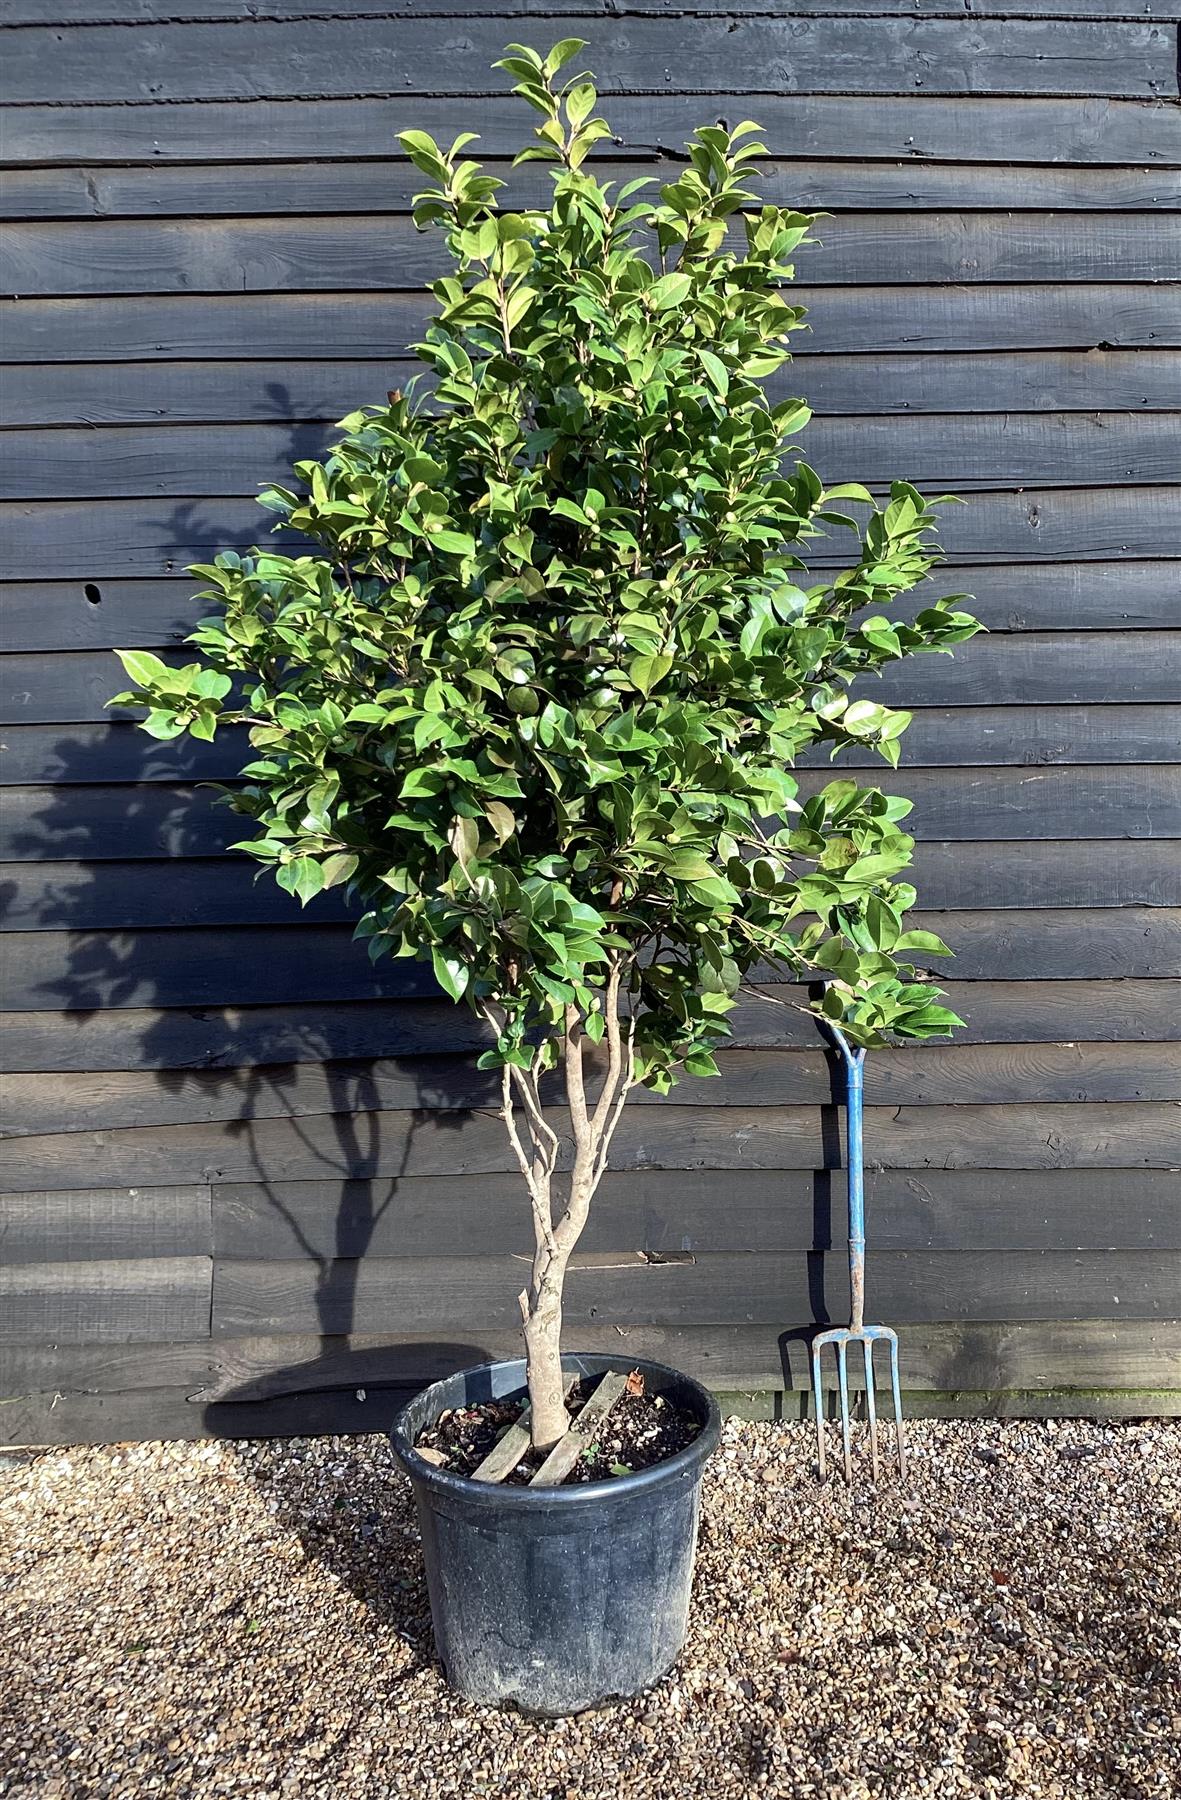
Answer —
854 1094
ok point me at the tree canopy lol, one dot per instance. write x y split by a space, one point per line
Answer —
535 689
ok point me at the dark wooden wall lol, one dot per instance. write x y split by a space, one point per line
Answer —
243 1168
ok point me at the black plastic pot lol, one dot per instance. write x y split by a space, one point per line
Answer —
557 1599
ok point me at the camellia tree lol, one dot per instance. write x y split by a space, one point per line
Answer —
534 695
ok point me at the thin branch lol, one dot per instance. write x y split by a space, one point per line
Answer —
625 1088
575 1080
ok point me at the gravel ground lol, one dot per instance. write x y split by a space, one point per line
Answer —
198 1620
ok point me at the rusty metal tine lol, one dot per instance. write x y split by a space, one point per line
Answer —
846 1423
818 1403
897 1387
871 1408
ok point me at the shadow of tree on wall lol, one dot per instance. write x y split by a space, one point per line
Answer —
328 1108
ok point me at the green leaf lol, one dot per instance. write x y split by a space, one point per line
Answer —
670 290
562 53
302 877
451 974
925 941
717 371
146 670
689 865
455 543
501 819
580 102
647 672
162 724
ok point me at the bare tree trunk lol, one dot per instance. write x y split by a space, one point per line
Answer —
548 1418
537 1156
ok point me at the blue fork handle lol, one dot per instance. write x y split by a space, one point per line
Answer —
854 1061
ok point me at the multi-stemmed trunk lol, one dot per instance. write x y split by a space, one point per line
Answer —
558 1227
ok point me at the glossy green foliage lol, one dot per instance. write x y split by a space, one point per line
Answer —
535 689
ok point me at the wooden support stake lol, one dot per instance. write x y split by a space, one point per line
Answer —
508 1450
567 1450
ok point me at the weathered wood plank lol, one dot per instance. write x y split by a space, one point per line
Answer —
1132 1135
254 189
660 1214
975 317
1092 668
566 1452
989 450
205 393
974 130
1069 597
951 736
93 541
260 1298
1101 1012
328 58
102 824
992 1074
69 753
948 737
50 1418
367 251
1036 1355
204 965
508 1450
110 896
101 1224
157 12
119 1301
1053 669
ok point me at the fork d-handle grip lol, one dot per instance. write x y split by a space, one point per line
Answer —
854 1061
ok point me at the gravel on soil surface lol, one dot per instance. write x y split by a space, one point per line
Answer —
250 1619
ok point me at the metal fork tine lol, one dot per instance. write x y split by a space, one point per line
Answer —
818 1402
871 1408
846 1424
897 1387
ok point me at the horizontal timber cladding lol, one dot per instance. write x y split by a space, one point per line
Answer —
946 736
1038 1356
312 58
1051 669
234 1149
150 256
59 1417
990 450
93 896
1121 801
254 189
980 317
990 1074
726 1289
89 540
1050 1135
1135 1012
121 1300
660 1214
1064 597
1085 134
105 1224
260 392
158 12
207 966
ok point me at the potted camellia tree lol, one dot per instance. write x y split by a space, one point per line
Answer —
533 696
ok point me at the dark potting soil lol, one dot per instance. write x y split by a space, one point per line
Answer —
640 1430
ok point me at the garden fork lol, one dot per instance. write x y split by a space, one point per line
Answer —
857 1332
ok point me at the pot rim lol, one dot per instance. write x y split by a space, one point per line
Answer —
587 1493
